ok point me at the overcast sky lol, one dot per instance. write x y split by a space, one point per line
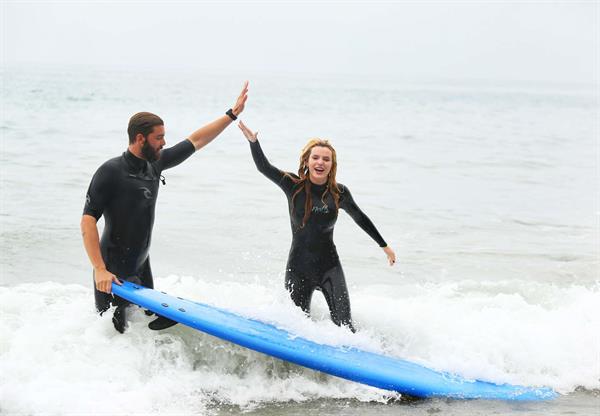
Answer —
466 40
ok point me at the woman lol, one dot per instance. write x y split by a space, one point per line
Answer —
314 198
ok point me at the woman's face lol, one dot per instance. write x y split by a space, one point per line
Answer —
319 164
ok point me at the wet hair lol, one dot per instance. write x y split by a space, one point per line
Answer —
143 123
304 176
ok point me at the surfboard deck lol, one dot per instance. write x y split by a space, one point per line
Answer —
347 362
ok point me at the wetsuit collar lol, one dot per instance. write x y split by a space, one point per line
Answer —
134 162
317 185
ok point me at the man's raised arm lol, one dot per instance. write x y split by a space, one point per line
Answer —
204 135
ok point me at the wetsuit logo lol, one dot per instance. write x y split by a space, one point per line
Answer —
147 192
323 210
88 199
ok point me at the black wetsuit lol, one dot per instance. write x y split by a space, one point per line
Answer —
124 189
313 262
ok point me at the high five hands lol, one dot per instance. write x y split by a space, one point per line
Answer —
247 132
238 107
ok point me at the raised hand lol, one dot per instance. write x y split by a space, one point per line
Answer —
241 100
247 132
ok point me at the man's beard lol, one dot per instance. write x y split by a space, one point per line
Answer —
149 153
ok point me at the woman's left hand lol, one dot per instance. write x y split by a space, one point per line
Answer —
390 255
252 137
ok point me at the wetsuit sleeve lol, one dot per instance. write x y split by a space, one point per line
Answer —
347 204
173 156
99 192
262 164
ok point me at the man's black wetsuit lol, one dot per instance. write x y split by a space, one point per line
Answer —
124 189
313 262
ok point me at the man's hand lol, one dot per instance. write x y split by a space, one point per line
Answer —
206 134
252 137
241 101
91 242
104 280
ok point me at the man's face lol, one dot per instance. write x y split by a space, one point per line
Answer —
154 143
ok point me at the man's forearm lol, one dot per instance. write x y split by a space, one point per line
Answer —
204 135
91 241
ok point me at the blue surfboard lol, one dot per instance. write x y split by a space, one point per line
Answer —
347 362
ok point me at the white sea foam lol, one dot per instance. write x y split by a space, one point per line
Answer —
57 356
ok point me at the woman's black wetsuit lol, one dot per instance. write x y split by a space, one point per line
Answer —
313 262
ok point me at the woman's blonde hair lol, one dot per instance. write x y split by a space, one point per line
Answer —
304 176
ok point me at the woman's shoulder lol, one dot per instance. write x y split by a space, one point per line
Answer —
291 175
342 188
289 180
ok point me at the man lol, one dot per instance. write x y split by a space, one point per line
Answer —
124 189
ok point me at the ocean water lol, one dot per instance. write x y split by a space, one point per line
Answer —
488 192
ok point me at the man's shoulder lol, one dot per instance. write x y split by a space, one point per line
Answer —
111 165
